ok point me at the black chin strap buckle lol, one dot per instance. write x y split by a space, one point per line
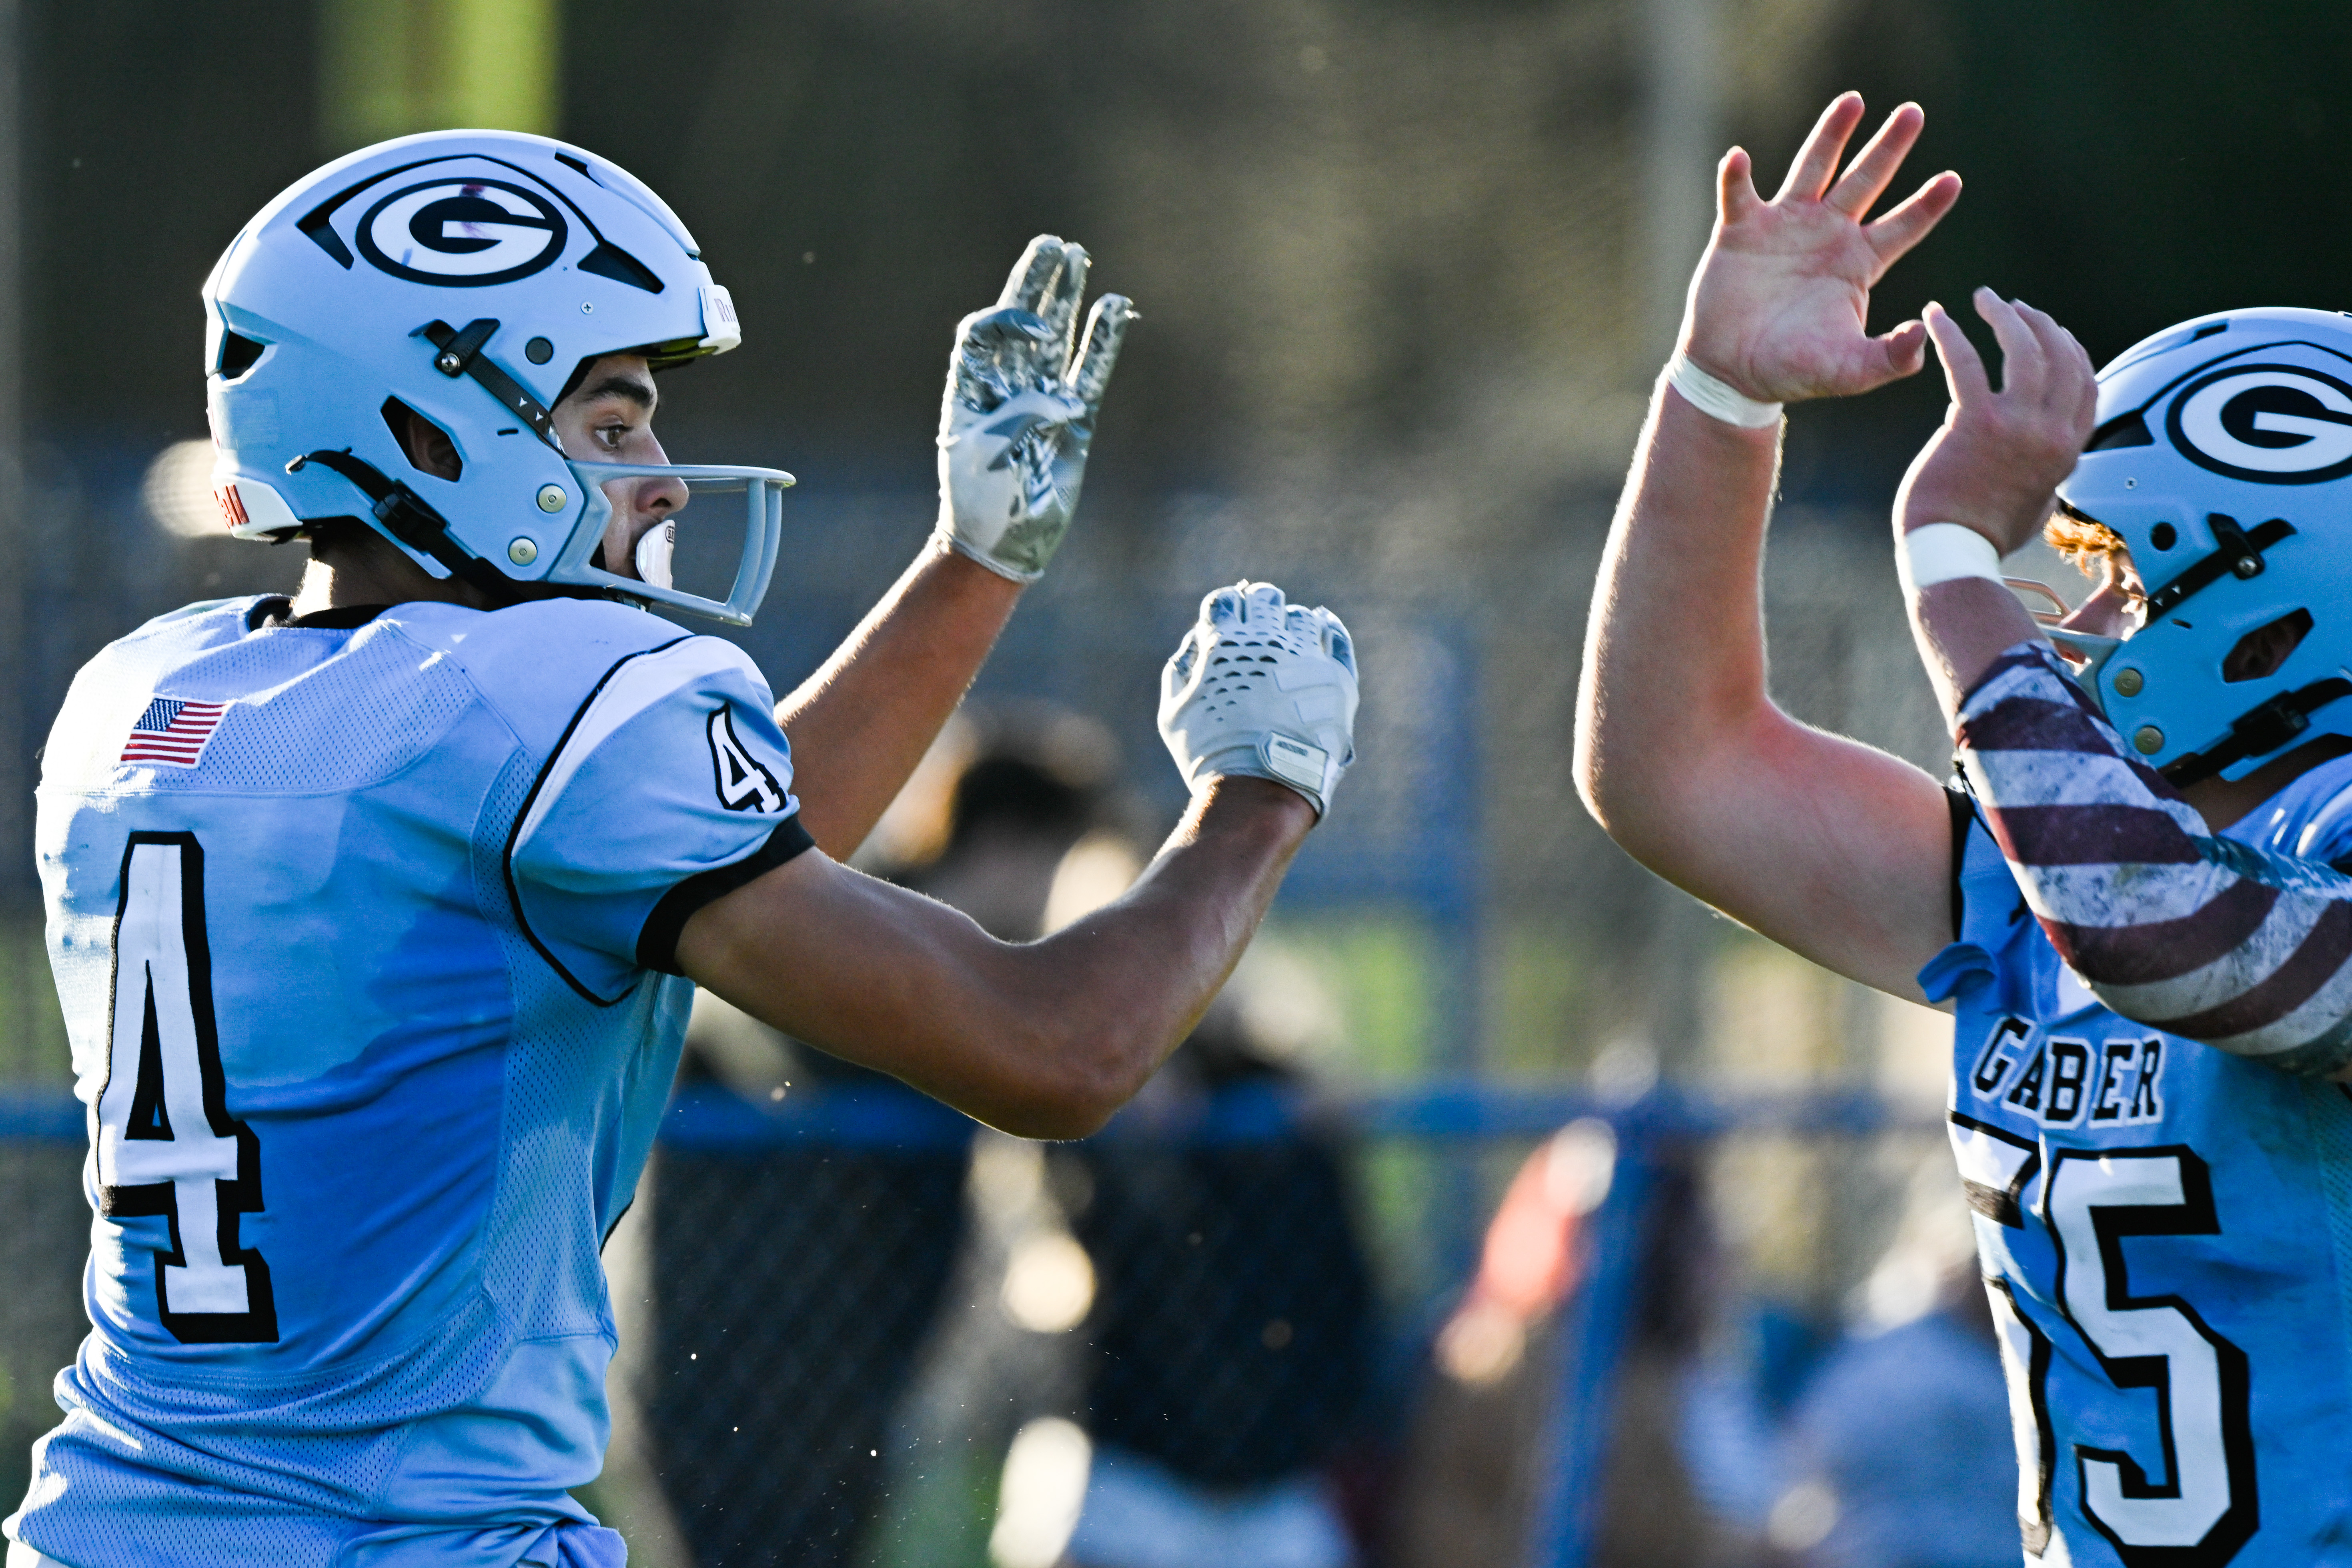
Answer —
461 354
2243 556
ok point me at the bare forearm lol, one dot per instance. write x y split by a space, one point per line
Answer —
1063 1031
860 724
1184 925
1043 1040
1820 843
1834 848
1961 626
1674 649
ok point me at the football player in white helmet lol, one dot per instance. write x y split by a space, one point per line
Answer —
2130 900
377 913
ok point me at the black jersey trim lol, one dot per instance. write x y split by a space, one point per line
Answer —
276 612
522 815
339 617
1962 811
658 943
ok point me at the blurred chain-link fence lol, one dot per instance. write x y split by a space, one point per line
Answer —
857 1331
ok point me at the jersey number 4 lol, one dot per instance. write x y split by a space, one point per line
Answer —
743 784
166 1143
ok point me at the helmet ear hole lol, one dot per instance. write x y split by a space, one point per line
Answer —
237 355
427 446
2261 651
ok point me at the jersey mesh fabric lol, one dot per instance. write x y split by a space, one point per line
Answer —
307 736
2331 1127
2312 819
443 1128
2172 1383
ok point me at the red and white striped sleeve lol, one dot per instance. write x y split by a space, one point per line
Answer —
2170 924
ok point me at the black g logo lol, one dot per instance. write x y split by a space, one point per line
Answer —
462 233
2273 424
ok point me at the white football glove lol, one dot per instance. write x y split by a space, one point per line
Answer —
1261 687
1020 411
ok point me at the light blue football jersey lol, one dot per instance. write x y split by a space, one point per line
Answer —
2166 1232
361 936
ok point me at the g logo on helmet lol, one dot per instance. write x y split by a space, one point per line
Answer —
2271 424
462 234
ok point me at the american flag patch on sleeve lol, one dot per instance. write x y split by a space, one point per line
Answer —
173 732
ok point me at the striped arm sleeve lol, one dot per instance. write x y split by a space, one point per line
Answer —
2169 925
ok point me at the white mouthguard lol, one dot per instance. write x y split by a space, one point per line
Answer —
654 551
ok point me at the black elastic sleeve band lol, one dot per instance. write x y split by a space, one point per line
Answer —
657 943
1963 814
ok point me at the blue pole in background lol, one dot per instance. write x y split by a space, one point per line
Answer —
1594 1329
1456 898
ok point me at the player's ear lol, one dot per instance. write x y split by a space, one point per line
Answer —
427 446
2261 651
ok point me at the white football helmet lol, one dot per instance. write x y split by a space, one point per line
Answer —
466 274
2222 455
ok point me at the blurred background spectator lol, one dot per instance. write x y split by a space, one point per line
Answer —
1491 1422
1901 1453
1232 1340
1472 1473
804 1281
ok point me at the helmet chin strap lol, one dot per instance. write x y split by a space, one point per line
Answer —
411 519
2239 555
2262 729
460 354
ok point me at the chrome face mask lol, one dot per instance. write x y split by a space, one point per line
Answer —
706 558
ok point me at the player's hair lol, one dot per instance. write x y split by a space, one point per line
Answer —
2082 539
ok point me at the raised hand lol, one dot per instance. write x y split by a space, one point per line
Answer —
1995 463
1020 411
1779 305
1265 688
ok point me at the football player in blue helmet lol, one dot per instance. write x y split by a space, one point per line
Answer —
2213 438
376 914
2130 900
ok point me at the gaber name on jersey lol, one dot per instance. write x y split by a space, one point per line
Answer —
2051 1078
2145 1209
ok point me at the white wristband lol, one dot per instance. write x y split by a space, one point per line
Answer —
1940 551
1711 396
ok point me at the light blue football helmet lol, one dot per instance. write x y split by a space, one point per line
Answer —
465 274
2224 458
